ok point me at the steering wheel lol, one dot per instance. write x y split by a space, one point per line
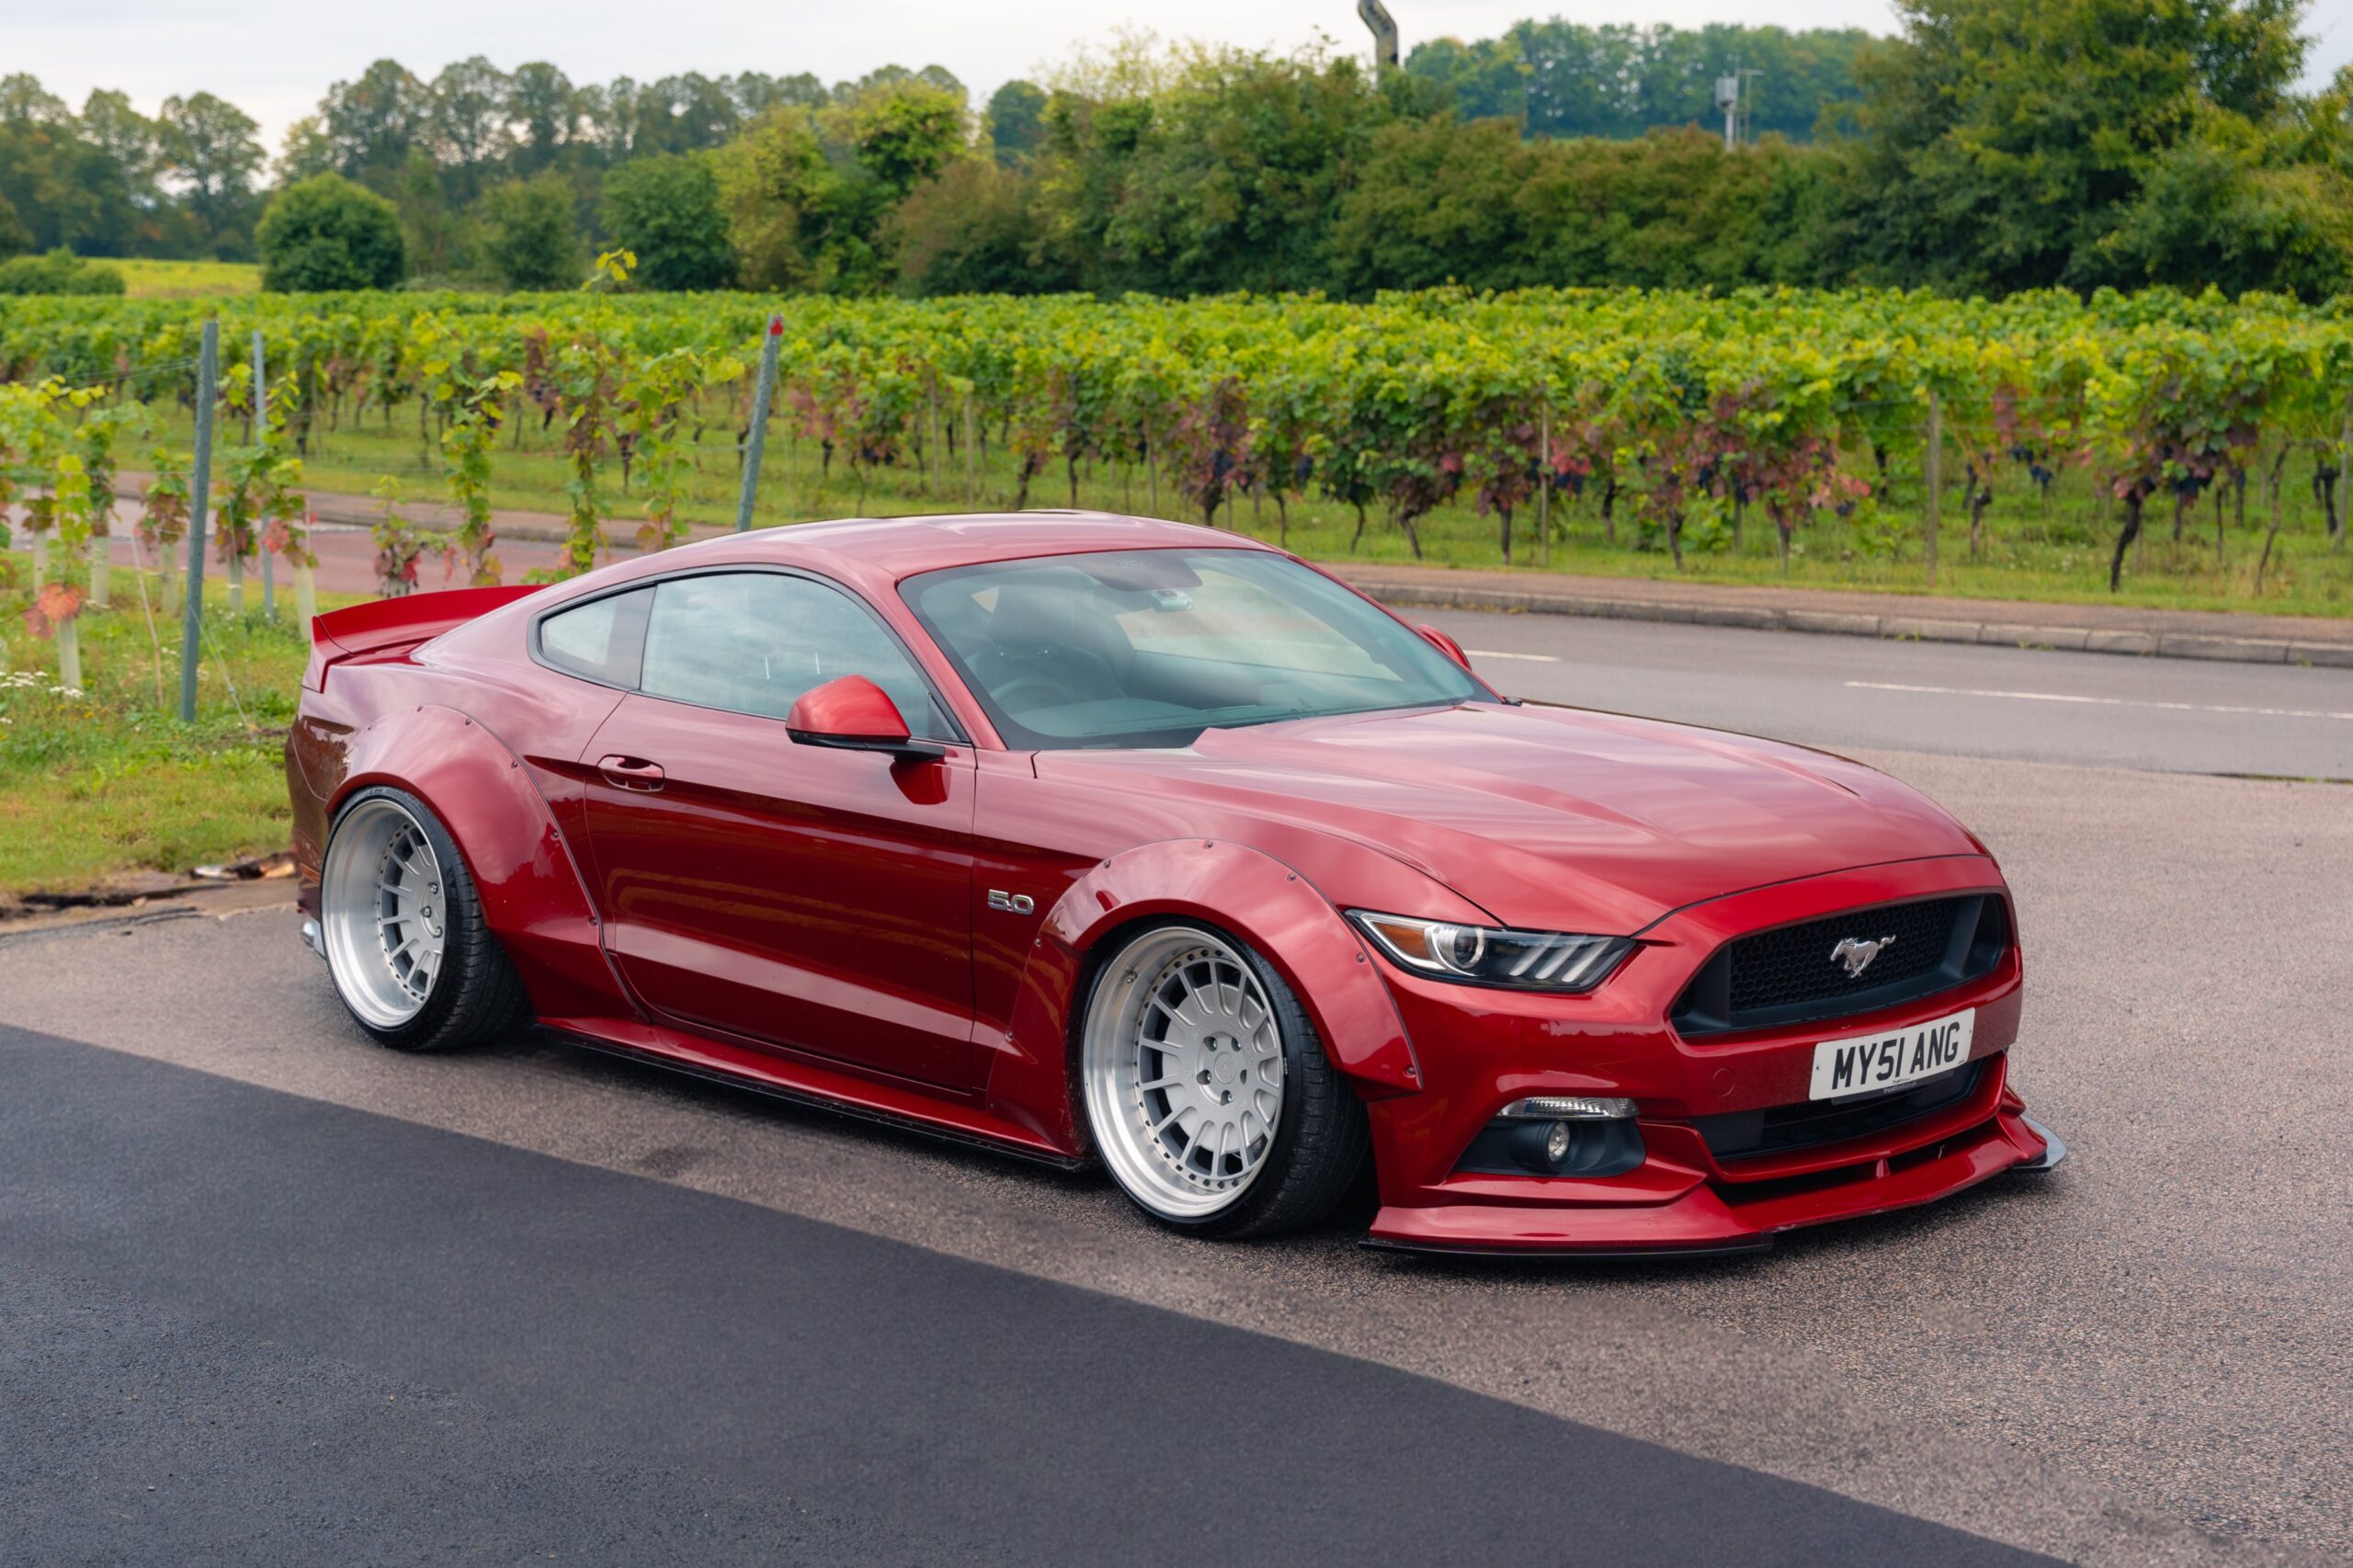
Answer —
1080 670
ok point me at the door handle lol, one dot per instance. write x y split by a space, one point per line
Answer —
630 773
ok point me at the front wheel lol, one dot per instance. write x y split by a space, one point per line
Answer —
1208 1093
415 963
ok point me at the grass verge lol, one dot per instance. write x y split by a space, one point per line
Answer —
108 780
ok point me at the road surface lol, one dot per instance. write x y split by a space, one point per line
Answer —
271 1293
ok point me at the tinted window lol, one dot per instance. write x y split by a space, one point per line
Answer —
599 640
1151 647
753 642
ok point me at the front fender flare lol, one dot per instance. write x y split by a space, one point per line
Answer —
1236 888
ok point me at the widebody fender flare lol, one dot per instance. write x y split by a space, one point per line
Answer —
1236 889
524 870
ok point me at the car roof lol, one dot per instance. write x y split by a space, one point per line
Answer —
898 548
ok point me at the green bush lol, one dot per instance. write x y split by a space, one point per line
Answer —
532 240
326 235
58 272
666 210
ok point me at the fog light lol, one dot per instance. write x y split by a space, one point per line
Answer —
1558 1135
1556 1145
1569 1107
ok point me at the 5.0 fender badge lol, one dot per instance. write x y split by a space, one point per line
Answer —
1011 903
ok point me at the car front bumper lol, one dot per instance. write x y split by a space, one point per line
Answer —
1479 1048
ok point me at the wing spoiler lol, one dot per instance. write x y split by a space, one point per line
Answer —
387 626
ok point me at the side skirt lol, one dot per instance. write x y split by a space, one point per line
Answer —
908 1110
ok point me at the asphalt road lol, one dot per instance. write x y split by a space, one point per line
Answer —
1955 699
269 1293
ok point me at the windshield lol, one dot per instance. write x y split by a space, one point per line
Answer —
1151 647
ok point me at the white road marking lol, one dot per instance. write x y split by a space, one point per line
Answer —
2103 701
1530 658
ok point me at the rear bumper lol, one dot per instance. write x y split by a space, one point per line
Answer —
1480 1049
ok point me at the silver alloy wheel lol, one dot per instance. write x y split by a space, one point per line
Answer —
1182 1063
381 913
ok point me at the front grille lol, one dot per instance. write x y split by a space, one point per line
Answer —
1737 1134
1777 969
1787 975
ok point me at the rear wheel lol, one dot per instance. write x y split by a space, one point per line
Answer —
1208 1093
413 959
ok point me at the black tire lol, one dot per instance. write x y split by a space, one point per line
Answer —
476 996
1322 1142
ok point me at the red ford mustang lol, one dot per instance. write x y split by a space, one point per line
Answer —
1091 836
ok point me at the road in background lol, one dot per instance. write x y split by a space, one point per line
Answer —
1957 700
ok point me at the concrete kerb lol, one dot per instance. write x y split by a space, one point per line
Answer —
1766 617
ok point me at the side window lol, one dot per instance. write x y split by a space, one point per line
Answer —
599 640
753 642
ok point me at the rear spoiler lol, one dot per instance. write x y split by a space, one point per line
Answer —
386 626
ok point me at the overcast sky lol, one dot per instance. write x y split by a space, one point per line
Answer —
275 57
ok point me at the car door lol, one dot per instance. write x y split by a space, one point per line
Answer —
797 895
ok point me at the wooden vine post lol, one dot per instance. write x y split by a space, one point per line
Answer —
972 473
1544 486
1933 469
258 418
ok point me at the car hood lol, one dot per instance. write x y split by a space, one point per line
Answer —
1545 817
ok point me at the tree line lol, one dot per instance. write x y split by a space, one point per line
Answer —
1994 145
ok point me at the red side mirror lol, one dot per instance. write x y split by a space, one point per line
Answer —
854 714
1445 644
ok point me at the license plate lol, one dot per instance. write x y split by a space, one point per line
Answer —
1865 1064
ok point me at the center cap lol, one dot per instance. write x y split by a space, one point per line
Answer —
1223 1065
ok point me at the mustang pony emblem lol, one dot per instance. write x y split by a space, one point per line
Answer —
1857 954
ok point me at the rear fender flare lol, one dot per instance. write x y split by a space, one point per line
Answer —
1235 889
523 871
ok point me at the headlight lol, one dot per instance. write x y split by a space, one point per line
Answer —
1489 955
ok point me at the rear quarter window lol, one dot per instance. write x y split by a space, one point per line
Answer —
601 640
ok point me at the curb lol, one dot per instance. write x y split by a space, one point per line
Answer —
1765 617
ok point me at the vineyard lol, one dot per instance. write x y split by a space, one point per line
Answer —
1760 432
2155 448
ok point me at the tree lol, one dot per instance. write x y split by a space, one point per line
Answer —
67 190
208 143
544 108
665 209
469 125
373 124
778 194
327 233
532 239
2002 141
1017 121
304 150
975 229
1227 180
902 134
